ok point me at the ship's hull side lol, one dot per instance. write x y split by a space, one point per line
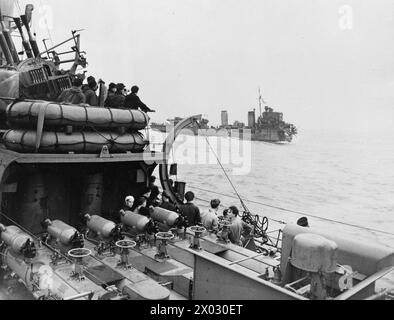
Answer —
269 135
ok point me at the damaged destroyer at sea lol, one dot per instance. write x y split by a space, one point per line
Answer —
66 168
269 127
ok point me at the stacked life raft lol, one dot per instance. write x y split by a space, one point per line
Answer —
39 127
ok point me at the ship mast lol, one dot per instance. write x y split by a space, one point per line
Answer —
260 102
260 97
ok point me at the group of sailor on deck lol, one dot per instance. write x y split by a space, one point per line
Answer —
116 96
209 218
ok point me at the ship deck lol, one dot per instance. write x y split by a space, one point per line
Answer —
24 158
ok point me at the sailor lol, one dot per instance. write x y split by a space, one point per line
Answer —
117 100
190 211
155 192
111 90
171 184
74 95
303 222
128 203
209 218
139 207
146 193
90 93
166 204
133 102
224 216
238 227
90 79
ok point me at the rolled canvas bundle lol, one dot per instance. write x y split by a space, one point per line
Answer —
37 127
24 141
24 114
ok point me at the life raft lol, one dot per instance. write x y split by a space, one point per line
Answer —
24 141
24 114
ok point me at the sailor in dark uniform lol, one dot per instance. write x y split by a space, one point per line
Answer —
139 207
303 222
155 192
190 211
166 204
117 100
133 102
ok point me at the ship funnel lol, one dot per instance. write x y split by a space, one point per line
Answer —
251 119
224 118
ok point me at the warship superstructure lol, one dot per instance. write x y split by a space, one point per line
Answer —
65 171
269 126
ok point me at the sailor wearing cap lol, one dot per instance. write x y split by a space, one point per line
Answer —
165 203
117 100
303 222
129 201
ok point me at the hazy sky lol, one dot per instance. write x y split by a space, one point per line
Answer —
324 63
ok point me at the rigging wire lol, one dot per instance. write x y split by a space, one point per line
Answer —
295 212
260 225
276 207
223 206
227 176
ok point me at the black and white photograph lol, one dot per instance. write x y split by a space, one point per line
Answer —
185 151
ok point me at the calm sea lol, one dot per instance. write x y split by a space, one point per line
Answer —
343 177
